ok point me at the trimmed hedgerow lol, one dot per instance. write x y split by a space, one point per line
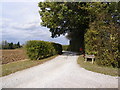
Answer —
57 47
102 41
65 47
37 50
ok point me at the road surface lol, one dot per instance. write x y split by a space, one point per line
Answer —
61 72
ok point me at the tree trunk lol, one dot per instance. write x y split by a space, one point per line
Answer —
77 42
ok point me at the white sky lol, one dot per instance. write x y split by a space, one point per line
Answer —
21 22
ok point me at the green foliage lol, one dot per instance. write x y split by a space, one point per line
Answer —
96 68
92 26
6 45
57 47
66 17
65 47
37 50
24 64
102 37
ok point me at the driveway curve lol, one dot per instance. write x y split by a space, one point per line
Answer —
61 72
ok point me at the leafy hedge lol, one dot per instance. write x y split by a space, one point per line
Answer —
65 47
103 43
37 50
102 38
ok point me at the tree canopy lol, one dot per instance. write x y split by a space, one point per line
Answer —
64 17
93 26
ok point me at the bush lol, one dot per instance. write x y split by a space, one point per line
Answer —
37 50
103 43
102 37
57 47
65 47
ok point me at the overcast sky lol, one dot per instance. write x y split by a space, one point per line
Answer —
21 22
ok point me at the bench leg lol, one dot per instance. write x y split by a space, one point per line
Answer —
85 59
92 60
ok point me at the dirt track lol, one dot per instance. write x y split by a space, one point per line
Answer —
61 72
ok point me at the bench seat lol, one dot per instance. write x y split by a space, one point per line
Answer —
89 56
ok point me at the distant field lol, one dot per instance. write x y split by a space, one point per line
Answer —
12 55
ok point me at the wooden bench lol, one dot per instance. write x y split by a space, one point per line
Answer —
89 56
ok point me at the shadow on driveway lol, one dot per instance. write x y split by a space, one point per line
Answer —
69 53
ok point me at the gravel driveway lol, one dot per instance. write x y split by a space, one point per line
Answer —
61 72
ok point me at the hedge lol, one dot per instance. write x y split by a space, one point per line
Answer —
37 50
103 43
65 47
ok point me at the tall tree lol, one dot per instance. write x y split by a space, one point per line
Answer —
66 17
98 22
18 45
11 45
5 44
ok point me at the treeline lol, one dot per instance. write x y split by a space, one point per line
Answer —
65 47
7 45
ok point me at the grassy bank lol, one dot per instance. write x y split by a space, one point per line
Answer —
95 68
20 65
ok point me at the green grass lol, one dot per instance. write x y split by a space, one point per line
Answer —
20 65
95 68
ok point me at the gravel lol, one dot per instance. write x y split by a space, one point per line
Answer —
61 72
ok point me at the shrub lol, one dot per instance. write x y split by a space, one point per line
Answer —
57 47
102 37
103 43
37 50
65 47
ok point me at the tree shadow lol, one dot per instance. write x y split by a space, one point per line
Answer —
69 53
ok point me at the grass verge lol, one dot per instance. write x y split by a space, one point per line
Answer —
95 68
20 65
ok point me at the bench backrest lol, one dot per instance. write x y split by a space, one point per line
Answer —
89 56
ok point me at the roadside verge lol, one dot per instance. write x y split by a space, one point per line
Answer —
20 65
95 68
